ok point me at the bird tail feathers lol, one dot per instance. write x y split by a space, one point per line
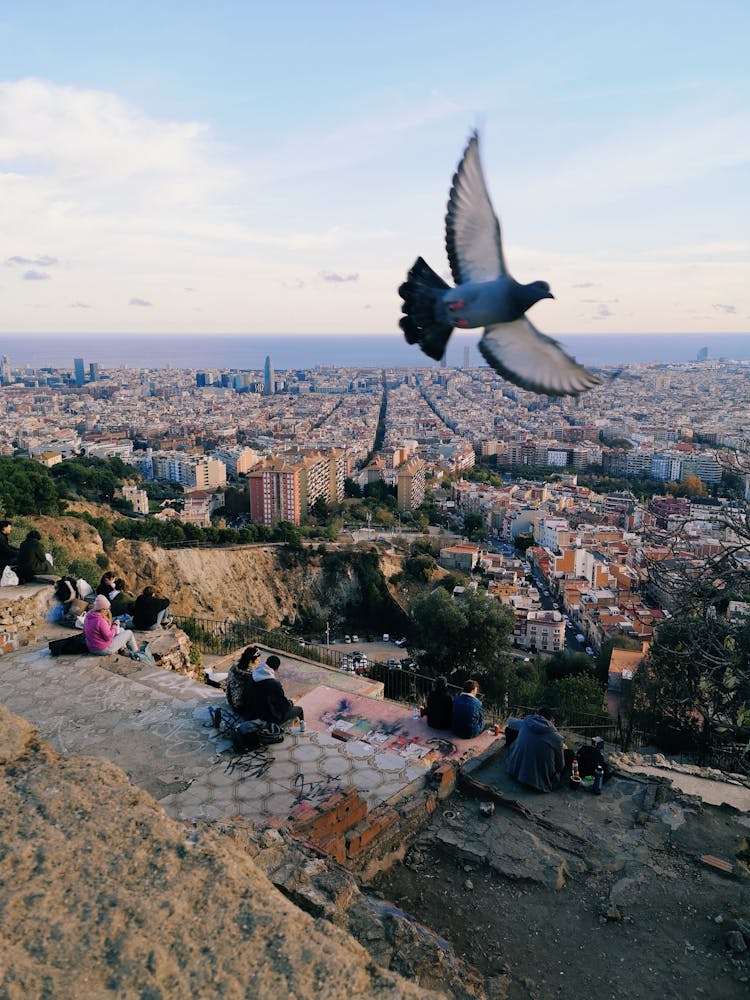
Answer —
420 292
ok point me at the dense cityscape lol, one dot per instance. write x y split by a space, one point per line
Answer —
565 477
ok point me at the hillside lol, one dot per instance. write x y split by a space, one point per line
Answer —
262 581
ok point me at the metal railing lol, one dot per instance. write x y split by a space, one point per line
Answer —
399 684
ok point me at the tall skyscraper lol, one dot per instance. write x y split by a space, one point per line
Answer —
444 361
268 377
80 376
94 371
702 354
467 356
5 370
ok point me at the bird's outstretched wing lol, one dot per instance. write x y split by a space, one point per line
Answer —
472 232
526 357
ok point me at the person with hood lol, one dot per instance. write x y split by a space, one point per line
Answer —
439 707
8 553
536 757
467 717
31 558
270 702
102 635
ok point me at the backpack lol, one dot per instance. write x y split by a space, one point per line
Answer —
589 758
65 589
71 645
246 736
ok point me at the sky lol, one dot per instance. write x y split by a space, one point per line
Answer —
271 168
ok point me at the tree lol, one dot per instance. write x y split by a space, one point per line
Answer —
26 487
563 664
420 567
694 684
571 695
474 527
463 638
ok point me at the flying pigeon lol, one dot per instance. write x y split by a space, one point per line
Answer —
485 295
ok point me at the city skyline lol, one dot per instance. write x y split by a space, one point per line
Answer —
277 171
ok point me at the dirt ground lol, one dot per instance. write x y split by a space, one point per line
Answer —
603 898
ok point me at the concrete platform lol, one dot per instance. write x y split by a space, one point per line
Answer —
156 726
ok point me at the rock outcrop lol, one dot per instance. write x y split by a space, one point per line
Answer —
102 894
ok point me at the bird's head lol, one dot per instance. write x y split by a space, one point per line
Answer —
542 290
527 295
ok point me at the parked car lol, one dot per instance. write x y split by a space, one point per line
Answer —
401 642
355 638
391 663
347 638
386 637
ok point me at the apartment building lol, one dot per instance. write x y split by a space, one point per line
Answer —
410 484
137 498
274 489
539 631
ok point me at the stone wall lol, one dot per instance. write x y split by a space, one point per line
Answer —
22 611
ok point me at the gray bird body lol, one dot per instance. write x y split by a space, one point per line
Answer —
485 295
486 302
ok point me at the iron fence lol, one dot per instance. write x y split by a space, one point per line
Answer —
399 684
731 759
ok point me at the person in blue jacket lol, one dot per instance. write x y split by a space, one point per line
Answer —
537 756
468 717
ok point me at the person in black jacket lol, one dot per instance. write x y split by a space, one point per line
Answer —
439 707
150 610
8 554
31 559
270 702
106 584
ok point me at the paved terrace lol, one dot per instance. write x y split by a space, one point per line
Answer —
155 725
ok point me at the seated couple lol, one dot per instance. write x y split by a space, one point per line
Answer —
462 714
148 611
253 691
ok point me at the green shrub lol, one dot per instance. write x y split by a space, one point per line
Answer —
83 568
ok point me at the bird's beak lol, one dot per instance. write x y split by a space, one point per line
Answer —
549 295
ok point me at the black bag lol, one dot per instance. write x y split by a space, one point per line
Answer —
589 758
71 645
252 735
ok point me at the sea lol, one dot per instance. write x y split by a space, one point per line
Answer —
248 353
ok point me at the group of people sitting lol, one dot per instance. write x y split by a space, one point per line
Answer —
113 614
462 714
254 692
27 561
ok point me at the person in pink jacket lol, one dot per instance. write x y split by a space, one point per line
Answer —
102 635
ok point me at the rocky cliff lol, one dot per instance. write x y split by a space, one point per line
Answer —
260 581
